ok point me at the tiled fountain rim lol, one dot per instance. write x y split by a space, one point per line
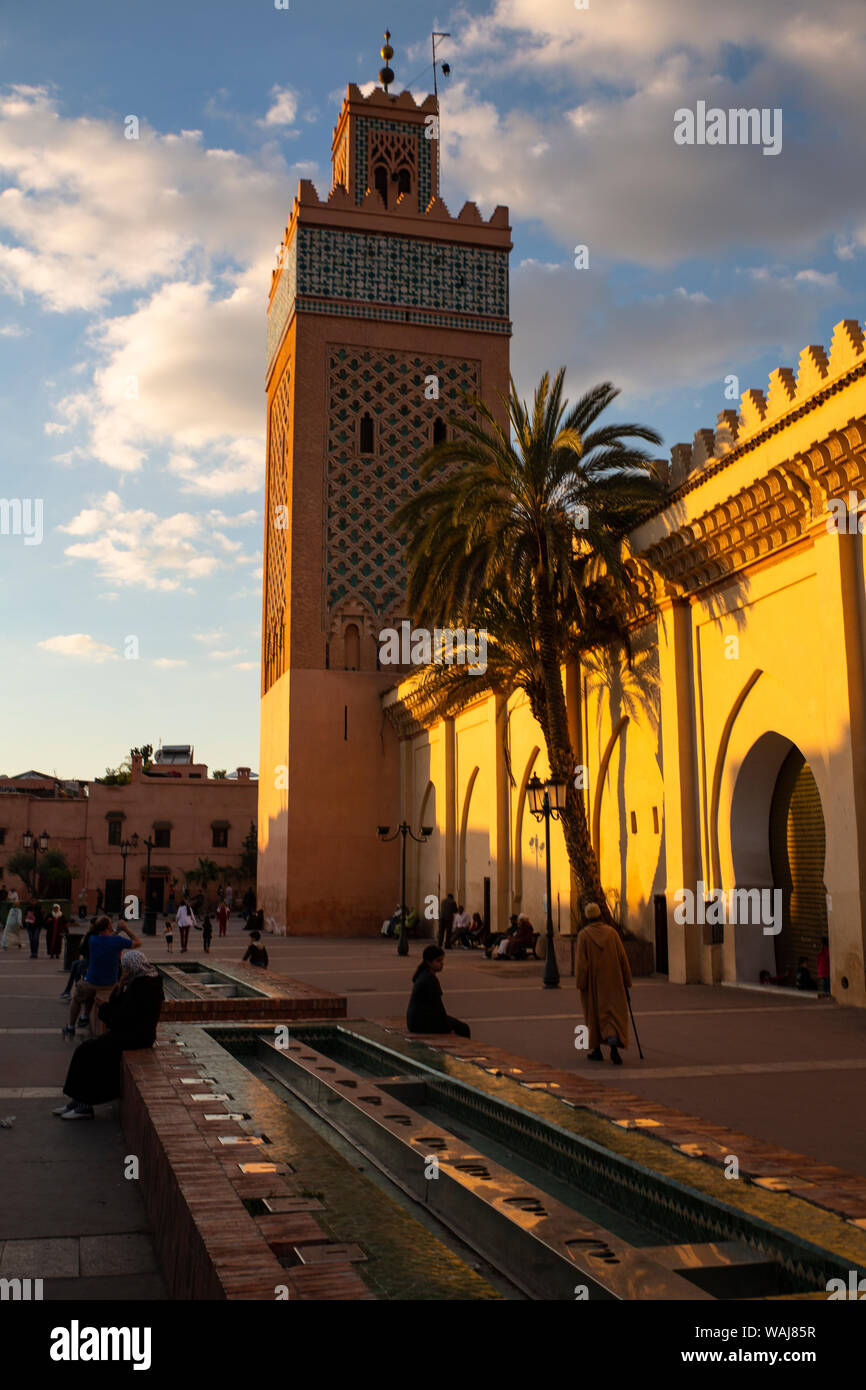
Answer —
267 984
793 1210
769 1223
209 1246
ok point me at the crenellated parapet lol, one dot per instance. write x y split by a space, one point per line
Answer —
789 396
383 245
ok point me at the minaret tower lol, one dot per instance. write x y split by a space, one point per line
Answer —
382 309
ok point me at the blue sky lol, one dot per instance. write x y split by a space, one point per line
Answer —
134 276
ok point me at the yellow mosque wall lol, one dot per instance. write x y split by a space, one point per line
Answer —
753 643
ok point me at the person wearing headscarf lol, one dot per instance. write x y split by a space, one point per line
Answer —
603 976
14 923
55 931
130 1016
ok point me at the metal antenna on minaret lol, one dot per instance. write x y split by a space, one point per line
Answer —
446 69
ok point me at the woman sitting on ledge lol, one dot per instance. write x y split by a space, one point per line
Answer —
130 1014
426 1012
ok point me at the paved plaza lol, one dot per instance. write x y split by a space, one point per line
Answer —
789 1070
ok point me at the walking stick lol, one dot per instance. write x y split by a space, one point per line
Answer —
634 1026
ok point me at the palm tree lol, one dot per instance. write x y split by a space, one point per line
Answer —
521 528
208 870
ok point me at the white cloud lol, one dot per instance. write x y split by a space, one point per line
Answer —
167 661
87 213
225 655
283 108
79 644
658 343
246 665
586 147
209 637
138 547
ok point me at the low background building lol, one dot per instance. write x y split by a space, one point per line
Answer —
187 815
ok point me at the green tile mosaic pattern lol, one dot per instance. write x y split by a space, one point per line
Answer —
364 125
397 279
404 271
283 301
363 558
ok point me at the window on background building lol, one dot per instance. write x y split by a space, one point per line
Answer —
633 823
440 432
220 837
162 837
367 439
2 835
115 829
352 648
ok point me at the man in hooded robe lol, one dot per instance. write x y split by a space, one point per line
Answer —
602 975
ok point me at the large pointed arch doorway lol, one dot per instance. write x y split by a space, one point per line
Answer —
798 846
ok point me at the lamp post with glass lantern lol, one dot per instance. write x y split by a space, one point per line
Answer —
383 831
547 799
125 847
39 844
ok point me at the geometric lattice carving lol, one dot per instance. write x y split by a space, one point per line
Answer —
407 143
364 559
394 153
276 534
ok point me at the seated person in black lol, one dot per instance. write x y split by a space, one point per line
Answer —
426 1012
803 978
256 954
130 1015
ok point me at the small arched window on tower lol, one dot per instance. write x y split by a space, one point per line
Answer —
367 436
380 182
440 432
404 182
352 648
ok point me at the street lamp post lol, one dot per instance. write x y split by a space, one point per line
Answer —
149 927
39 844
547 799
125 847
383 831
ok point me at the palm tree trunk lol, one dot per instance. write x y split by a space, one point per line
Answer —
578 843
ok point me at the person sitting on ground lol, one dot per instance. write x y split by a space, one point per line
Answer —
803 978
426 1011
517 942
603 976
823 969
130 1015
104 955
766 978
256 954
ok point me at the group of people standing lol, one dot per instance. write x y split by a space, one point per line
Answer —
30 918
